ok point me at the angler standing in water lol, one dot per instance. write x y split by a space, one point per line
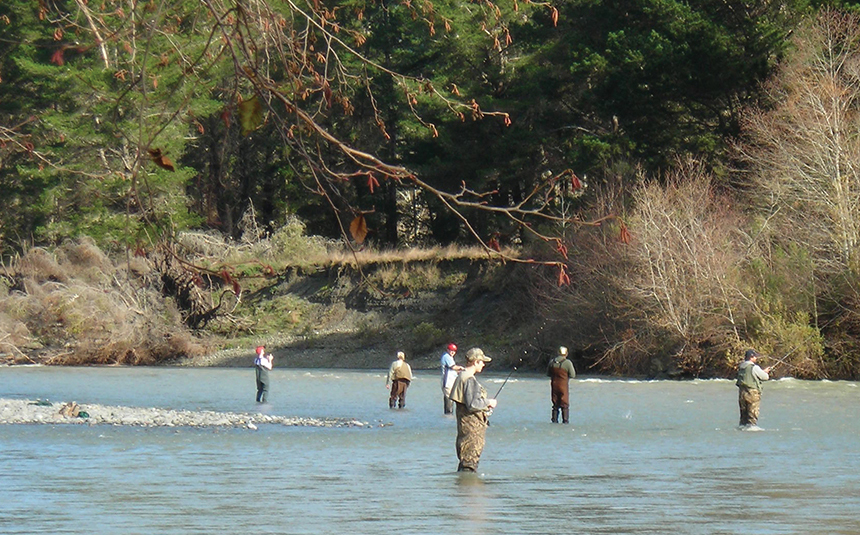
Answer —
449 374
750 377
561 371
399 377
263 364
472 405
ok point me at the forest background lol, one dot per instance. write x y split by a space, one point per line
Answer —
656 184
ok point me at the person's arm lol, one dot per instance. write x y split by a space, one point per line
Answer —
571 371
390 377
762 374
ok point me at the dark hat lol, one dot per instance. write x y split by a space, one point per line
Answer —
475 354
750 354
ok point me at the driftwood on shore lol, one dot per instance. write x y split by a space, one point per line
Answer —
23 411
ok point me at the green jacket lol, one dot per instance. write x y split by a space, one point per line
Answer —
750 375
562 363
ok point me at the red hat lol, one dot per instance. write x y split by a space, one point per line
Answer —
452 347
260 349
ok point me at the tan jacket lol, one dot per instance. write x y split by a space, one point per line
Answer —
399 370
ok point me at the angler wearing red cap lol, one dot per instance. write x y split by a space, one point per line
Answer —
263 363
449 373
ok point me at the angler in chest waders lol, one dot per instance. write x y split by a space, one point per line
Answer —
472 407
262 366
560 371
750 377
399 377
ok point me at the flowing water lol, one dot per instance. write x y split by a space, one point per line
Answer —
639 457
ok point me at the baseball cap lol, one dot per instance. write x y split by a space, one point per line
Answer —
475 354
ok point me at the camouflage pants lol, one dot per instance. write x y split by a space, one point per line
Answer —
749 401
471 429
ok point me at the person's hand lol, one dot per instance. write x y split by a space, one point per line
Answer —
491 403
768 369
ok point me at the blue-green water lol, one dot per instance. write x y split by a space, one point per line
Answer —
638 457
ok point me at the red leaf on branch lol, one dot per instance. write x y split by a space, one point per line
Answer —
563 278
624 235
57 57
554 16
372 182
493 244
327 94
161 160
237 288
575 183
561 248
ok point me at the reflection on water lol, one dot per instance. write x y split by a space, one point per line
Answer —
638 457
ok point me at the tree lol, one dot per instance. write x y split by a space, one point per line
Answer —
805 150
801 158
174 85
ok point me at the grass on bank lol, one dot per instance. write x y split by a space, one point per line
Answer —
75 304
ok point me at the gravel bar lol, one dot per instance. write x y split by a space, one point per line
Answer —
18 411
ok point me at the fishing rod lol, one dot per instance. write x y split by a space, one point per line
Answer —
782 360
506 380
490 411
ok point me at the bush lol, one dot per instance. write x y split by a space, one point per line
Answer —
75 306
426 336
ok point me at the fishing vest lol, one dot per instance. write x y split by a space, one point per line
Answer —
747 377
402 371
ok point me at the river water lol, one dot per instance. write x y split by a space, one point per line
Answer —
639 457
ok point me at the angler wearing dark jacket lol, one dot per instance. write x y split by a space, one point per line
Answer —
561 371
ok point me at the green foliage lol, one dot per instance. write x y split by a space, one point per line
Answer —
426 336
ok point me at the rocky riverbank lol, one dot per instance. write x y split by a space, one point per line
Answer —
17 411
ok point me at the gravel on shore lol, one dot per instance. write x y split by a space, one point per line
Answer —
23 411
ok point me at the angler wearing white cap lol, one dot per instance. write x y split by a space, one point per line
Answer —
399 377
560 371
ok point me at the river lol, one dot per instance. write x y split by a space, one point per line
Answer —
639 457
